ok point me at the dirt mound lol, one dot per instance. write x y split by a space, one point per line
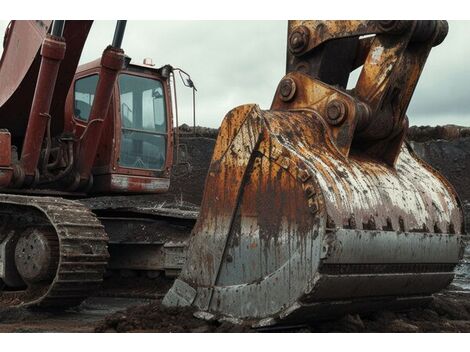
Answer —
446 132
452 159
198 131
156 318
189 176
448 312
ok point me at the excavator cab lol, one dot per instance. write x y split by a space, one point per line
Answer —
136 148
65 133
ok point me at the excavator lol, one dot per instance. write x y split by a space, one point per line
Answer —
70 133
315 207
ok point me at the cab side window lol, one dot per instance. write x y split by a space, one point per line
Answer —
84 93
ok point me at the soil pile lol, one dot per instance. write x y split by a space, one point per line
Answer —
447 312
156 318
451 158
198 131
189 173
446 132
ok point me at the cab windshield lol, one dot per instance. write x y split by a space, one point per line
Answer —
143 123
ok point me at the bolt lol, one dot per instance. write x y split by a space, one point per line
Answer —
387 24
298 39
443 30
287 89
393 27
336 111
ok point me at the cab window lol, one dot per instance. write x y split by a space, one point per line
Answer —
84 93
143 123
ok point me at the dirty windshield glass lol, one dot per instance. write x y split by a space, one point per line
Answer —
143 120
84 95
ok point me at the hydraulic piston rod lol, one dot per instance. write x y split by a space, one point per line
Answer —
112 61
52 53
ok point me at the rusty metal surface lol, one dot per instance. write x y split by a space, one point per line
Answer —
20 65
392 62
52 54
6 171
19 54
318 200
112 62
118 183
71 146
108 175
260 243
157 204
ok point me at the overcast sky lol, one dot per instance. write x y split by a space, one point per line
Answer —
240 62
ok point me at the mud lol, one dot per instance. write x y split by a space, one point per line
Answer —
448 312
446 148
81 319
156 318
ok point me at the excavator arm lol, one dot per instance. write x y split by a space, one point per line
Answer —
33 100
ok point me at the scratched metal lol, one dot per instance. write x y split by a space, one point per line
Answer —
277 197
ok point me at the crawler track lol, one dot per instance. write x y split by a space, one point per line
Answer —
82 249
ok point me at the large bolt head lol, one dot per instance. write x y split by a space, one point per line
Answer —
298 39
336 111
443 30
393 26
287 89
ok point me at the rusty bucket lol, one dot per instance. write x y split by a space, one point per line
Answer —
289 228
305 216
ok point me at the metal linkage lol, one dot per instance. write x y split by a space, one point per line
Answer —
322 54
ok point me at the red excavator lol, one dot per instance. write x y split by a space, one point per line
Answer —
104 128
314 207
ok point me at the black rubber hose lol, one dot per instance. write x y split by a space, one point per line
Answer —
58 28
119 34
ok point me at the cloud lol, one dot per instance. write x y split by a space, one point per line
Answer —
241 62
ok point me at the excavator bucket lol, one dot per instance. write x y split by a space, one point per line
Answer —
318 206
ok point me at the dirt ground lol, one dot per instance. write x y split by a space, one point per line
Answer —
81 319
448 311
